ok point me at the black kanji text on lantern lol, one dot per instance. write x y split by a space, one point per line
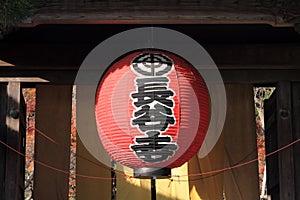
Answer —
154 103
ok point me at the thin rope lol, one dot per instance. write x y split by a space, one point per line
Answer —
171 176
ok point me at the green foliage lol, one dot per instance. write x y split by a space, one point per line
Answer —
14 11
263 93
256 112
260 95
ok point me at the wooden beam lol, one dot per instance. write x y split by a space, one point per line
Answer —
257 76
45 56
157 12
39 55
53 118
89 18
238 62
5 64
263 76
285 136
23 79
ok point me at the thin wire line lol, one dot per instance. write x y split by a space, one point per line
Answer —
171 176
45 135
76 154
57 169
241 164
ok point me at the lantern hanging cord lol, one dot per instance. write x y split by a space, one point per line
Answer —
124 176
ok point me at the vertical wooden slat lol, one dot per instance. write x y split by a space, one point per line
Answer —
285 136
12 132
209 186
237 144
14 177
3 131
86 163
90 188
53 118
13 124
296 132
22 132
270 113
240 143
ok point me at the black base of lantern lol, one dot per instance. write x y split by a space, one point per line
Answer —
147 172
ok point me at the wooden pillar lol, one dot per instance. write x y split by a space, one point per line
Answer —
284 137
296 133
282 127
53 118
13 134
3 130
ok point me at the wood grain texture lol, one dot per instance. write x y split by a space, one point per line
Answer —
88 163
285 136
15 163
22 79
5 64
53 118
59 56
296 133
240 143
207 186
149 12
90 188
3 135
243 53
58 63
236 145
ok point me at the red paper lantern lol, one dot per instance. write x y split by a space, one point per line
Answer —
152 110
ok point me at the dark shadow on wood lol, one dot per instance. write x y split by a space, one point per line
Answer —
13 130
3 131
282 127
53 118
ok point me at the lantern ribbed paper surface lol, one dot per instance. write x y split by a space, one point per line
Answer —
152 110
